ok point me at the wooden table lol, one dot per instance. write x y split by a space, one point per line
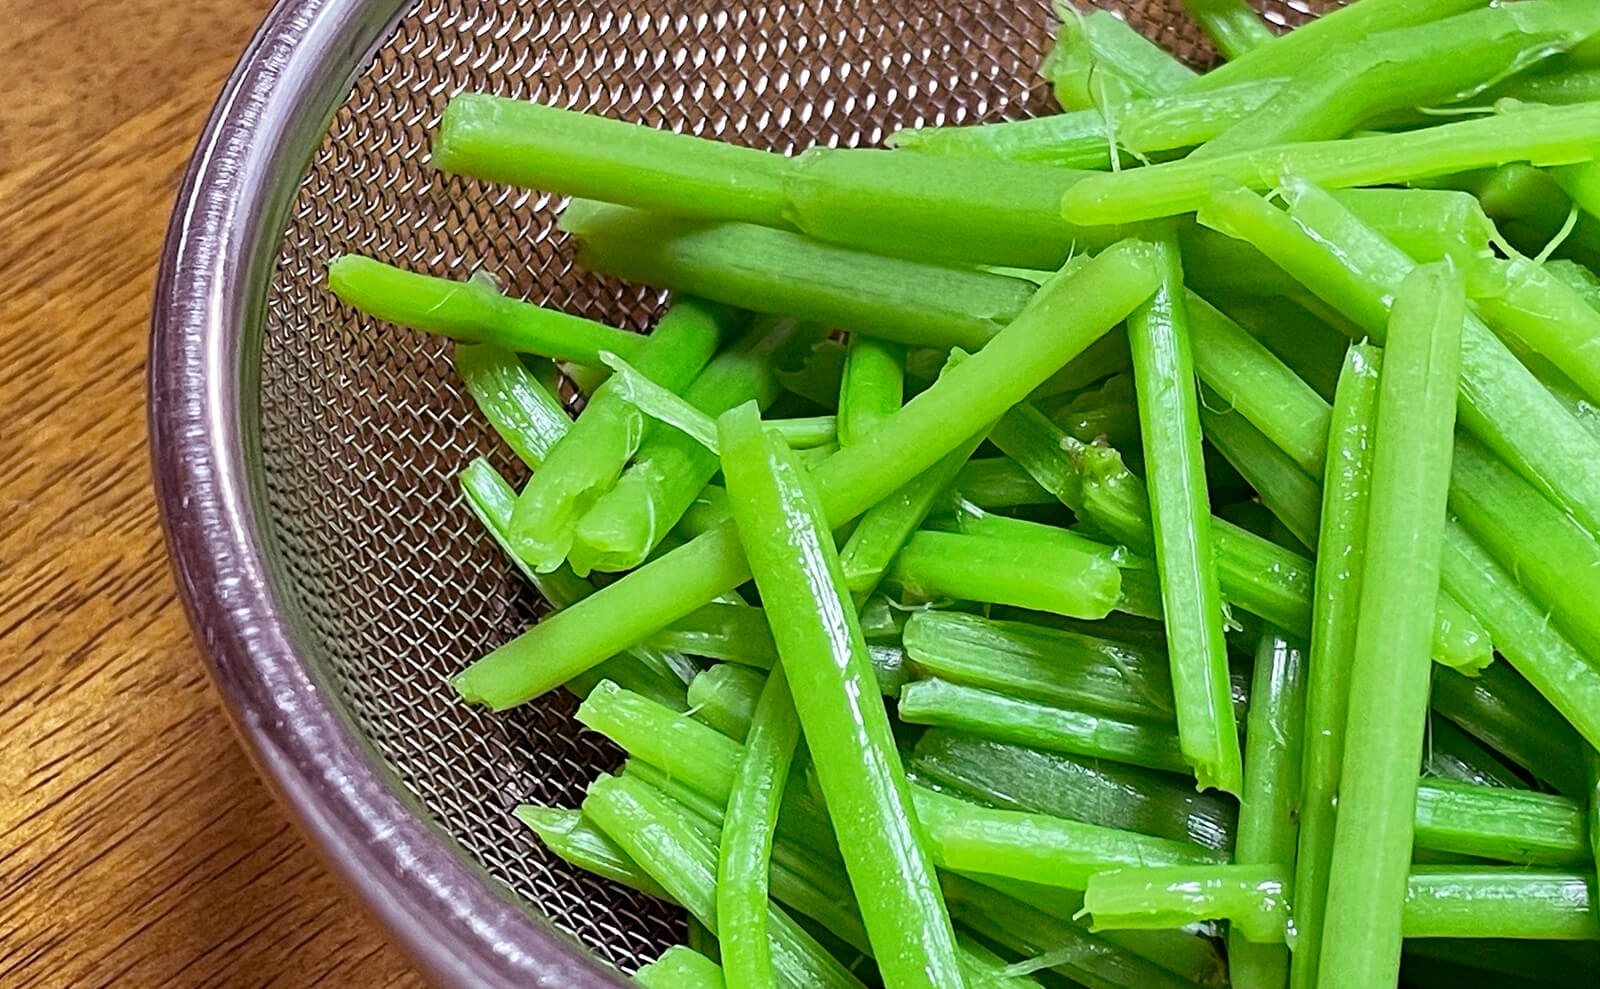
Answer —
137 845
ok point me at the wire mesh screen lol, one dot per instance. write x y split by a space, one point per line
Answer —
364 427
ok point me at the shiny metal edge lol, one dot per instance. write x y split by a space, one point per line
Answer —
457 923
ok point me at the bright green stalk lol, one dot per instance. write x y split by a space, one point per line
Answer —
575 839
1282 486
872 388
583 154
1288 54
522 411
1231 25
1500 708
1522 298
777 272
808 432
671 467
1269 807
680 968
1454 756
473 311
1389 674
1180 514
783 529
1039 725
660 838
1501 401
1109 412
1061 320
1307 343
588 459
1254 899
1052 578
1515 826
993 483
1190 117
1547 136
724 697
1099 58
1069 140
1340 566
734 633
1079 789
966 837
1427 224
744 856
1441 62
1054 666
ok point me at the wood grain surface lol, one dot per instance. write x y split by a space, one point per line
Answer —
137 845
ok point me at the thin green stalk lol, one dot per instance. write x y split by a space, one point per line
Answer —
1054 666
1254 899
473 311
1109 413
805 433
522 410
1453 755
873 386
783 528
744 856
587 461
724 697
1231 25
1099 58
1061 320
575 839
671 467
1390 665
1069 140
1180 514
734 633
1547 136
988 714
1059 579
1269 807
680 968
664 843
966 837
777 272
993 483
1079 789
1305 342
1499 708
584 154
1282 486
1517 826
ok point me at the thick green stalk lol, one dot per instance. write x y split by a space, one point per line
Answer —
1517 826
1231 25
1052 578
1079 789
745 853
724 697
1061 320
1180 515
473 311
660 838
680 968
1054 666
783 528
1547 136
873 386
988 714
777 272
583 154
671 468
522 410
1499 708
1501 401
587 461
1269 807
966 837
1390 666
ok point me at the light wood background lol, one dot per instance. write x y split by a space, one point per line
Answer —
137 846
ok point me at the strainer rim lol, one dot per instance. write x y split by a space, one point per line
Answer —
458 924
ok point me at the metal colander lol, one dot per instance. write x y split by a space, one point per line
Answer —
307 458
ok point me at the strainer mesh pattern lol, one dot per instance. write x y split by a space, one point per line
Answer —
364 427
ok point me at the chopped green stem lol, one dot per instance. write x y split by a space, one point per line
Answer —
782 273
1061 320
1499 708
1427 224
665 844
1054 666
873 386
584 154
1032 847
1180 515
1283 487
521 409
1071 140
1269 807
671 467
575 839
808 432
1522 298
1191 117
1546 136
1109 412
1039 725
1453 755
680 967
1389 675
993 483
724 697
587 460
1440 62
1079 789
1099 59
1253 898
473 311
734 633
1231 25
745 852
783 528
1303 340
1515 826
1051 577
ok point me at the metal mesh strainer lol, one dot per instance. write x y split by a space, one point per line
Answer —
307 458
